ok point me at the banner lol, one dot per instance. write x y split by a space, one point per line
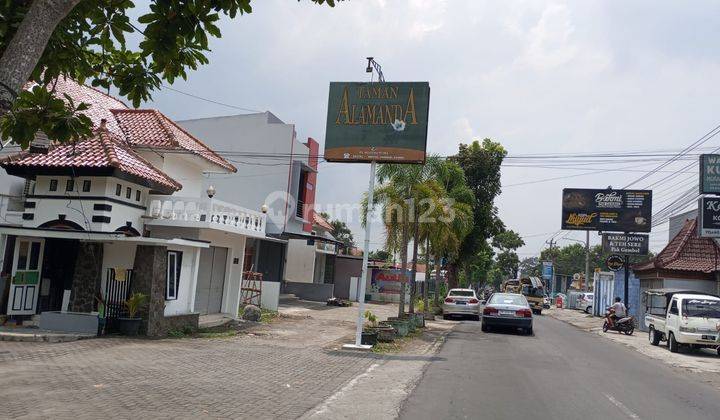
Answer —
388 280
547 271
622 244
606 210
383 121
709 174
709 214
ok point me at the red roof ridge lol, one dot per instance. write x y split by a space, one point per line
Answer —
200 142
104 137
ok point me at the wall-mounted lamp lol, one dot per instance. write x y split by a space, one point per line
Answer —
264 208
211 191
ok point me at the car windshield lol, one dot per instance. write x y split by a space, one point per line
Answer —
529 290
508 300
466 293
701 308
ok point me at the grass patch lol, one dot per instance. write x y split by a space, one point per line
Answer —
397 345
267 316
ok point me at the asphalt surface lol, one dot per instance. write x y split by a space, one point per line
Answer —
559 373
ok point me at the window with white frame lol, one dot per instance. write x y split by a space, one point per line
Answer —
174 263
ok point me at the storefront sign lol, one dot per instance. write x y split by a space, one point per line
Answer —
388 281
622 244
709 174
384 122
606 210
709 223
615 262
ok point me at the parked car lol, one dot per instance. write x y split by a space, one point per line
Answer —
684 319
461 302
585 302
507 310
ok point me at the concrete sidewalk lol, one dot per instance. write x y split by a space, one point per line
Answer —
705 361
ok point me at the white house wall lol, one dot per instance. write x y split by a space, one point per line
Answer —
117 255
184 169
82 211
300 261
261 180
188 281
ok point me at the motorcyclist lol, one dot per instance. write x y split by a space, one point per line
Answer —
617 311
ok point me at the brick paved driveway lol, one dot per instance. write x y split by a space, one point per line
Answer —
240 377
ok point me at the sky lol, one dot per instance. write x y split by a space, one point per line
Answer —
537 76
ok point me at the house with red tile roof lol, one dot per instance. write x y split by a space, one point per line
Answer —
688 261
126 210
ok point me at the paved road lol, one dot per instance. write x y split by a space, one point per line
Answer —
560 373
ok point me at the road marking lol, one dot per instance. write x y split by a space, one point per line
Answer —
622 407
326 405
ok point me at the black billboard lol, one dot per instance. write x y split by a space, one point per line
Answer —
709 217
606 210
620 243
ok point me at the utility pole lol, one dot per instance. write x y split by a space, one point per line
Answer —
587 260
551 244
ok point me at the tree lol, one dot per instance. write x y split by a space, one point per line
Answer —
41 40
531 266
380 255
340 231
507 261
481 164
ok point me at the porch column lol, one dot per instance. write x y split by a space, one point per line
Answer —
149 271
87 277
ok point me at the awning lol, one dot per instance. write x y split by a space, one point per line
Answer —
305 236
96 236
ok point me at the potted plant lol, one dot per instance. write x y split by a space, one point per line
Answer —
130 325
385 332
369 335
401 325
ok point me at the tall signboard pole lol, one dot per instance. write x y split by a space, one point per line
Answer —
366 251
371 122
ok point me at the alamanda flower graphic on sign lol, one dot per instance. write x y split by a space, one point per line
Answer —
384 121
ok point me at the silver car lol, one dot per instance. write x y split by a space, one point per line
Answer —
507 310
461 302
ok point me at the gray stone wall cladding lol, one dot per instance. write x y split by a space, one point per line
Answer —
149 271
317 292
88 274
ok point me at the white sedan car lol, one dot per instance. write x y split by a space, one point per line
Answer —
462 302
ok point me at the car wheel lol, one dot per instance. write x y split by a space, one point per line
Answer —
529 331
476 317
446 316
484 328
653 336
672 344
718 351
588 309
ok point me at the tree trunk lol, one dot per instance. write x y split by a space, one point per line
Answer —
437 281
27 45
452 276
427 276
403 268
413 290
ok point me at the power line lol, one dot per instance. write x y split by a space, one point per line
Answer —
211 100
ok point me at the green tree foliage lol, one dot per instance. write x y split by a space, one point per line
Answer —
340 231
380 255
570 259
481 164
88 40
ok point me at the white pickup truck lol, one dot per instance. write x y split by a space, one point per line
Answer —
683 319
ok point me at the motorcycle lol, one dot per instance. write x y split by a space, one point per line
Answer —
625 325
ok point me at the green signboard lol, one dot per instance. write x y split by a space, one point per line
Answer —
709 174
383 122
25 277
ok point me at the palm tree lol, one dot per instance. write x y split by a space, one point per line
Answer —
406 182
450 213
